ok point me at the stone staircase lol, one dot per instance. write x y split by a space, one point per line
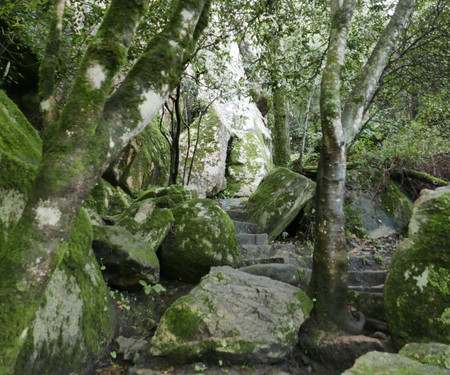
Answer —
366 274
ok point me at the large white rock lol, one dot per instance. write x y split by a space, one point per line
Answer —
234 149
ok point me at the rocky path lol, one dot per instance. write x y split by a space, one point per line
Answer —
287 262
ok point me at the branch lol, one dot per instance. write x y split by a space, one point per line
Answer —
157 72
49 64
366 85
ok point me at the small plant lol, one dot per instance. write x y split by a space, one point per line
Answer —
285 235
148 288
123 302
200 367
113 354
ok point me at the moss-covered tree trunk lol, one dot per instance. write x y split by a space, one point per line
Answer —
280 129
89 134
329 276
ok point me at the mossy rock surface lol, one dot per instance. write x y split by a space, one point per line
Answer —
378 363
20 154
126 259
233 316
278 199
203 236
249 162
177 193
74 322
143 163
433 353
417 289
106 199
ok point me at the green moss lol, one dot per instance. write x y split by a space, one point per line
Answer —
305 303
396 204
182 322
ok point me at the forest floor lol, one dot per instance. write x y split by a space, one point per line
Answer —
138 315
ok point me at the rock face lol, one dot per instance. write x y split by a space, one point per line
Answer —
143 163
278 199
234 144
203 236
126 259
377 213
73 324
20 153
390 364
233 316
417 292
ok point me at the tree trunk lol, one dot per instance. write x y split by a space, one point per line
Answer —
329 275
280 131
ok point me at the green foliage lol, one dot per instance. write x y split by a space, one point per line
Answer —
148 288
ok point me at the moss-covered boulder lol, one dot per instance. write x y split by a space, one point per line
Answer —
233 316
203 236
433 353
391 364
177 193
417 289
376 207
106 199
20 154
74 322
143 163
278 199
125 259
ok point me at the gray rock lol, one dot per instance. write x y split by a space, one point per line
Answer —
389 364
277 200
234 316
125 258
287 273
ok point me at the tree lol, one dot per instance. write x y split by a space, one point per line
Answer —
329 276
90 132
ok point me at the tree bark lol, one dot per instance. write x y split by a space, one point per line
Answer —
77 149
281 146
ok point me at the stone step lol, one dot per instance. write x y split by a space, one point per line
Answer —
238 214
252 239
367 278
378 289
245 227
358 263
254 252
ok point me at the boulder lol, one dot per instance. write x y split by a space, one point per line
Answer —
234 316
286 273
376 213
233 152
203 236
125 259
106 199
143 163
433 353
390 364
277 200
417 289
209 165
73 323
